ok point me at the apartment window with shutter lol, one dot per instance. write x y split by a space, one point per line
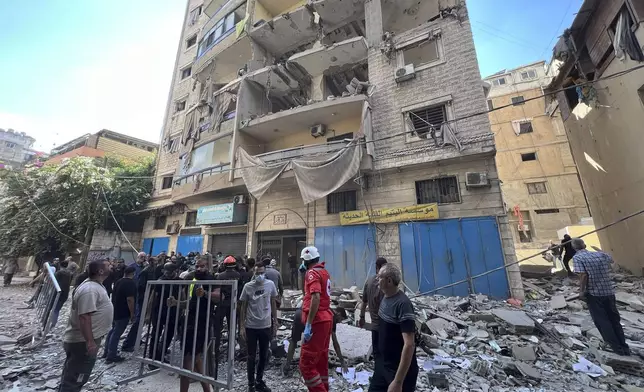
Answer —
159 222
423 119
518 100
535 188
442 190
191 218
167 182
525 127
341 201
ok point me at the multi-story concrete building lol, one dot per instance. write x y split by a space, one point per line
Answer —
102 143
600 92
350 125
540 183
15 148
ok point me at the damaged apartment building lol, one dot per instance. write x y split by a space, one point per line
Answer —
347 124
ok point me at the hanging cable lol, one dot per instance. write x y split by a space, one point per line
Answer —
116 221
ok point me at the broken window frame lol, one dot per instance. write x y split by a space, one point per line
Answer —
537 188
440 190
338 202
525 236
530 128
423 39
211 38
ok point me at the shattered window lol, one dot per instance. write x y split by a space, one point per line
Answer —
525 127
424 53
441 190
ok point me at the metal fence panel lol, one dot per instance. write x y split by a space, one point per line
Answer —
48 295
183 322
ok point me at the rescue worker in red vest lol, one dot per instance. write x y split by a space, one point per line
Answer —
317 318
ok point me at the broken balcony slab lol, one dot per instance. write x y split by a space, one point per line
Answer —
333 12
276 77
287 31
222 62
518 322
355 342
298 119
329 59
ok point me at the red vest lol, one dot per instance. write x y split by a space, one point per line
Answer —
317 280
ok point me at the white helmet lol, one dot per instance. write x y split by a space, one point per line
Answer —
309 253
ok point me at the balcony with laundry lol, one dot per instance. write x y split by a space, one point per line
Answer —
284 27
224 47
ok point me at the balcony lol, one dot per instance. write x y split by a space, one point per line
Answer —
222 51
337 57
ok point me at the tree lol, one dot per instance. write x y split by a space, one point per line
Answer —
52 208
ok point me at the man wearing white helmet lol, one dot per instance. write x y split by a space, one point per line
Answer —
318 322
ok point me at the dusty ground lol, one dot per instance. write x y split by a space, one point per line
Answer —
46 362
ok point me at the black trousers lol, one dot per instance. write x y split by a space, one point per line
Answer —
606 317
384 375
261 337
157 336
78 366
7 279
566 262
374 344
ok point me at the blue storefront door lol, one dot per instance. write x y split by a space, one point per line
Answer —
442 252
349 253
154 246
189 243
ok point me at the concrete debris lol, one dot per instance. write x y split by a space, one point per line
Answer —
524 353
558 302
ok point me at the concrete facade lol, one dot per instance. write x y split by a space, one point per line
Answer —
276 105
529 128
15 148
605 131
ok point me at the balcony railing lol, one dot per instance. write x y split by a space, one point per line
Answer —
209 171
301 151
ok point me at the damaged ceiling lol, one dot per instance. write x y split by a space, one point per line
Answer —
403 15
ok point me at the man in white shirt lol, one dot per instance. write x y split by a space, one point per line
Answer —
90 320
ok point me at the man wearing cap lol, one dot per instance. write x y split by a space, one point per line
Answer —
318 322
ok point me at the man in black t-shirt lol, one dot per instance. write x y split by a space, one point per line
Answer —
396 367
123 302
158 315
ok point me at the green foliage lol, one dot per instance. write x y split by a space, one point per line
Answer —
69 195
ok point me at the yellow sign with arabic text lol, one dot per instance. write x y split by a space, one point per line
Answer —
390 215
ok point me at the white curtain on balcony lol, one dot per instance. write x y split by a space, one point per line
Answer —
316 176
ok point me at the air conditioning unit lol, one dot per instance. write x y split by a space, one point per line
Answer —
476 180
318 130
240 199
405 73
172 229
523 228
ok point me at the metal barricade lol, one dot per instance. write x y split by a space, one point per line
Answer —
182 339
46 300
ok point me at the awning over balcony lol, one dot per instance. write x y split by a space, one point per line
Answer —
332 58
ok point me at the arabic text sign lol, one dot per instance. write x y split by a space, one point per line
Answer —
211 215
389 215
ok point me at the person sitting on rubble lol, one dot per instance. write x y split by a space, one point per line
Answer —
396 368
597 289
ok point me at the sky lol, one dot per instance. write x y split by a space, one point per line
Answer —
71 67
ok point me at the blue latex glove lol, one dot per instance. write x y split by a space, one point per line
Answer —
308 333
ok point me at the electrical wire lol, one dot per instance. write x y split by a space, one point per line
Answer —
116 221
476 114
505 266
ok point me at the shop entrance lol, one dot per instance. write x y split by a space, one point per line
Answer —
278 244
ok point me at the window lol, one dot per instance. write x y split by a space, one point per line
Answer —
194 15
525 236
341 201
422 54
340 137
159 223
518 100
529 74
192 41
439 190
10 145
167 183
547 211
423 119
191 218
535 188
186 72
490 104
180 106
498 82
530 156
223 28
172 145
525 127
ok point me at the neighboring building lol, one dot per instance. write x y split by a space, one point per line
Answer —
260 86
15 149
101 143
540 183
603 119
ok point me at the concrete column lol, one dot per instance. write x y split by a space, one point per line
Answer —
373 16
